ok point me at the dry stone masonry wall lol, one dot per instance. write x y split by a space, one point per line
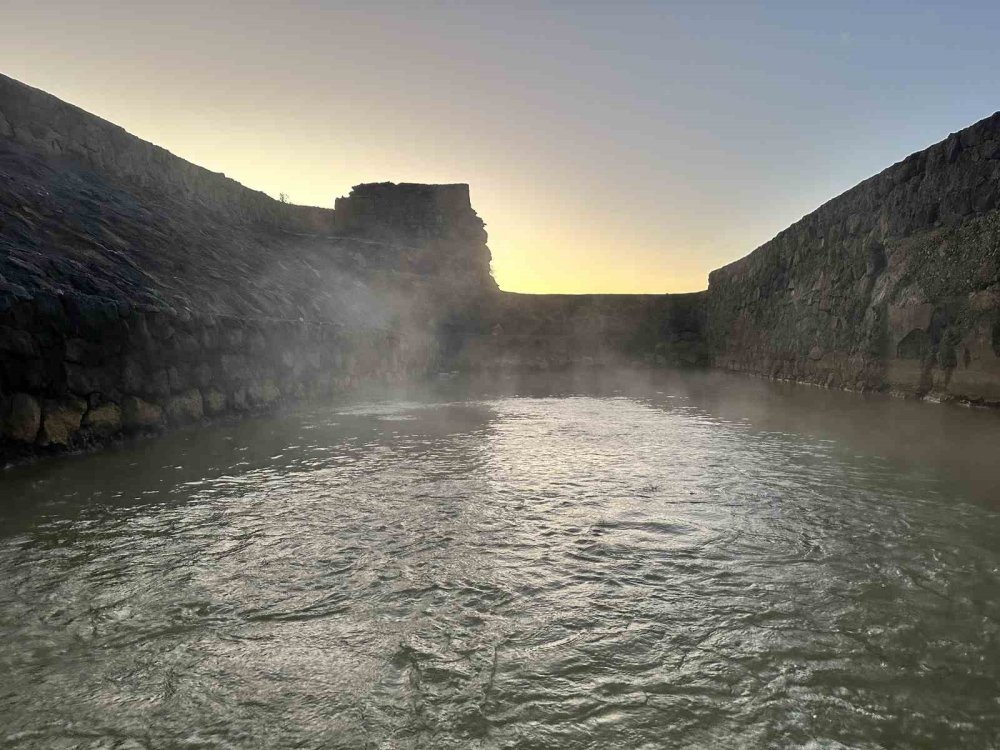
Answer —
53 127
140 292
557 331
79 371
894 285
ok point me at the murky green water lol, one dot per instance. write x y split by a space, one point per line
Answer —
650 561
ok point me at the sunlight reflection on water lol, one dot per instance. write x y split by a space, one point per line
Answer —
641 561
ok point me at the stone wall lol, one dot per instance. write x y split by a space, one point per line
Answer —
78 371
558 331
53 127
894 285
139 292
407 207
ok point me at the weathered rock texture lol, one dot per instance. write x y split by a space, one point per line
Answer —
138 291
893 285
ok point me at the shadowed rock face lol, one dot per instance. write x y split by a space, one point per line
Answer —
89 209
139 291
893 285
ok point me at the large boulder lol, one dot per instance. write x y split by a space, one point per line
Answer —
21 418
105 419
140 415
264 393
19 343
61 421
215 402
238 400
185 407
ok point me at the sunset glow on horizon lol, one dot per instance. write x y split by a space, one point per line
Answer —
610 147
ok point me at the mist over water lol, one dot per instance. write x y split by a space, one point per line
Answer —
637 560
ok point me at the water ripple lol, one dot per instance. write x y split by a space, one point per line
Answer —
655 566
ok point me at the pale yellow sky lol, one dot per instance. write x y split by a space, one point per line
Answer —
610 147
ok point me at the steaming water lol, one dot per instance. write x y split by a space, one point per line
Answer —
654 561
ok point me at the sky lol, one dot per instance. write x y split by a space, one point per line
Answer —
615 146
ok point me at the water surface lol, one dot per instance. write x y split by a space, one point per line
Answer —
635 561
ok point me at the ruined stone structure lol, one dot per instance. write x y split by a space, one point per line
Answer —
139 291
